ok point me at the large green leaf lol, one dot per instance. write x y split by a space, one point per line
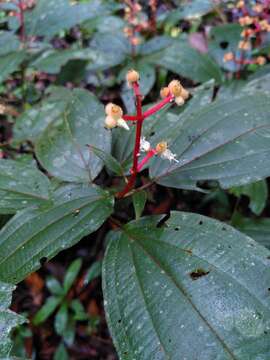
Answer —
8 319
21 186
62 148
227 141
32 122
8 43
10 63
49 16
258 229
34 235
198 289
181 59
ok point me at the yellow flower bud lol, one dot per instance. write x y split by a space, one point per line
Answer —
164 92
161 147
175 88
228 57
184 94
132 77
114 111
260 60
244 45
179 100
110 123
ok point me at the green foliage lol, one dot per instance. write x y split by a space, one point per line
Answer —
193 278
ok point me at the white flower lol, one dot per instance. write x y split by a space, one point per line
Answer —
167 154
145 145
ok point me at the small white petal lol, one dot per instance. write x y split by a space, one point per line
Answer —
179 101
121 123
167 154
145 146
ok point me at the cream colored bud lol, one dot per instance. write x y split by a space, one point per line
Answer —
228 57
161 147
164 92
260 60
184 94
114 111
2 109
132 77
179 101
175 88
110 123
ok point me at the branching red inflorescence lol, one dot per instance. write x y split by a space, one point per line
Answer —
174 92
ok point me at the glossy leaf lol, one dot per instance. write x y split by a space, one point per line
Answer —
61 319
9 43
227 141
93 272
257 193
34 235
139 200
62 148
258 229
21 186
71 274
181 59
8 319
47 309
10 63
49 17
193 280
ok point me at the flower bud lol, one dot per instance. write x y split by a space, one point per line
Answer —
175 88
164 92
185 94
228 57
161 147
110 123
260 60
179 101
114 111
132 77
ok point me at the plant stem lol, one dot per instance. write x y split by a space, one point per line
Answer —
136 150
158 106
21 20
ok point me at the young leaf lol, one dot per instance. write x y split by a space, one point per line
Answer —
227 141
47 309
61 353
139 200
62 149
71 274
194 279
61 319
110 162
257 193
77 211
93 272
54 286
10 63
21 186
8 319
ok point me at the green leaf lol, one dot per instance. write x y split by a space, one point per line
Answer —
32 122
21 186
191 9
9 43
185 61
93 272
47 309
54 286
257 193
222 40
61 353
79 312
139 200
194 279
257 229
227 141
8 319
71 274
61 319
110 162
49 17
10 63
36 234
62 148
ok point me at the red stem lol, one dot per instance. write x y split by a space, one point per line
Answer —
136 150
145 160
130 117
21 20
158 106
